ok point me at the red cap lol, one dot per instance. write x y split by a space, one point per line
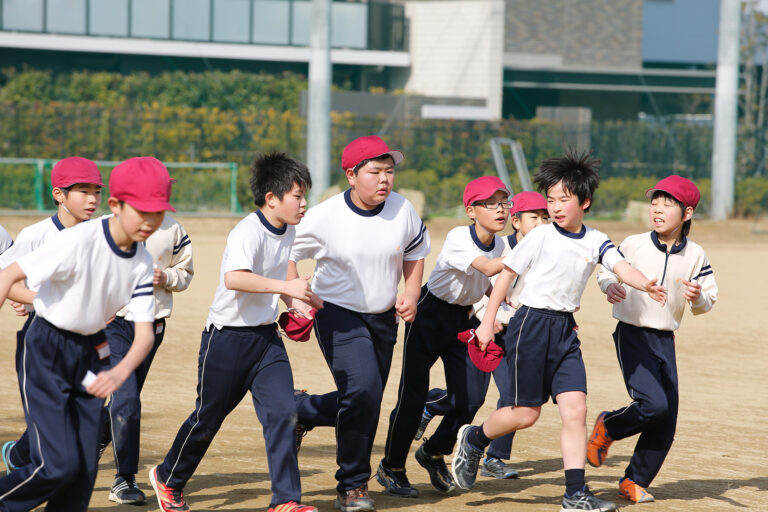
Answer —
143 183
296 327
527 202
364 148
75 169
483 188
486 361
678 187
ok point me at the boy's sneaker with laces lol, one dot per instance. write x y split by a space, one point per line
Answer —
426 417
125 491
585 500
292 506
395 482
438 472
466 459
6 453
599 442
497 468
354 500
300 430
630 490
170 500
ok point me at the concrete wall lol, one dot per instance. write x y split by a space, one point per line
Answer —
456 50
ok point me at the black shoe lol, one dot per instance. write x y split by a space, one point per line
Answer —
106 435
426 417
300 430
438 472
125 491
395 482
354 500
497 468
585 500
465 460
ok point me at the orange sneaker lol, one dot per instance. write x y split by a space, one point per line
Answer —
292 506
599 442
633 492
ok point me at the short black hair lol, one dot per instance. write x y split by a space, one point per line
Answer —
379 158
65 191
276 173
577 171
687 224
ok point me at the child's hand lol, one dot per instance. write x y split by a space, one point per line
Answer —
299 289
692 290
105 383
656 292
497 327
405 307
615 293
159 278
484 333
19 308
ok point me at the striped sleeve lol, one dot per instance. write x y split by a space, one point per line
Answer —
608 254
705 276
180 269
417 236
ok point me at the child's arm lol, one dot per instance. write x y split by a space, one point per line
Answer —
485 330
8 277
701 290
177 276
20 293
413 272
247 281
488 266
109 381
634 278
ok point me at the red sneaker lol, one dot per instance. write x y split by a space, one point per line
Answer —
292 506
599 442
633 492
170 500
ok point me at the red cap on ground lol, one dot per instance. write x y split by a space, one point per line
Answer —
678 187
483 188
143 183
527 202
75 169
364 148
296 327
486 361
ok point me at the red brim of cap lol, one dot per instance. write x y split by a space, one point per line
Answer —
151 206
296 327
487 360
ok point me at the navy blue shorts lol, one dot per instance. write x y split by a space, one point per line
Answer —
543 356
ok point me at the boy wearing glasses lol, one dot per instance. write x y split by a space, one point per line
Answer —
470 256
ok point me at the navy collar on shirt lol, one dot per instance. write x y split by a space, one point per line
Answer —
663 247
567 233
478 243
57 222
360 211
270 227
512 240
113 245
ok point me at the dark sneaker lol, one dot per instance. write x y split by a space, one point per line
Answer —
497 468
438 472
292 506
170 500
354 500
395 482
585 500
7 446
300 430
466 459
426 417
125 491
106 435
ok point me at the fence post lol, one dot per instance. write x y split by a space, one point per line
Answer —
234 204
39 172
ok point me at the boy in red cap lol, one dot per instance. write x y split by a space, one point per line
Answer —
363 241
469 257
529 210
76 184
644 336
84 276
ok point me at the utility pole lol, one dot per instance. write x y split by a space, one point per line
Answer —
726 103
319 100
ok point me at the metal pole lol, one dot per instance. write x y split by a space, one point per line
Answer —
319 100
726 101
234 204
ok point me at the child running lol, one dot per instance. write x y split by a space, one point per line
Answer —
542 344
240 349
645 334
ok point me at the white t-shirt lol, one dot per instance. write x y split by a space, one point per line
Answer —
257 246
454 279
360 253
5 240
559 264
505 312
83 279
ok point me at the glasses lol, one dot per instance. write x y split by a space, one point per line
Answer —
492 205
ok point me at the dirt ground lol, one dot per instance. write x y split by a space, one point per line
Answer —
718 460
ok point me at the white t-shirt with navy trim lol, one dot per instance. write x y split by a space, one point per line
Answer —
5 240
559 264
505 312
360 253
259 247
454 279
83 278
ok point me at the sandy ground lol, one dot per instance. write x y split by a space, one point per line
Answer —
717 461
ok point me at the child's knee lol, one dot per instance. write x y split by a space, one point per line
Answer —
528 416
